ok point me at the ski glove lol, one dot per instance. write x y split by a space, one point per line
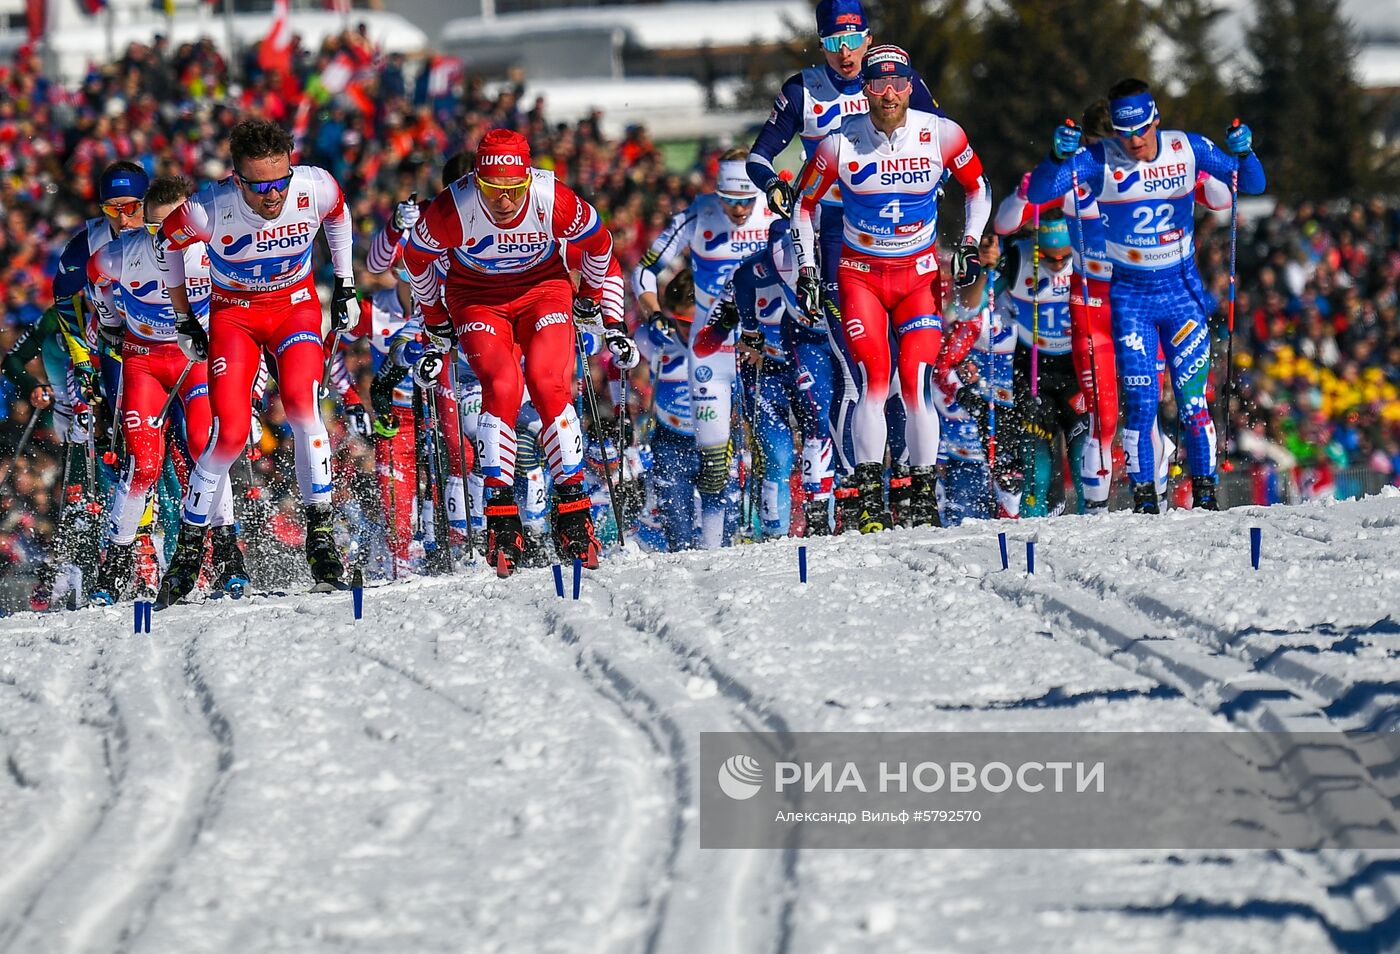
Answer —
192 338
89 383
967 266
1067 139
340 303
781 196
809 294
588 315
357 419
1239 140
726 315
386 426
406 215
624 352
111 335
427 368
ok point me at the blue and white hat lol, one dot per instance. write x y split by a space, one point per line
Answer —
1131 113
841 16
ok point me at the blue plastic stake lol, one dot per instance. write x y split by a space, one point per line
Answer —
559 580
802 563
358 593
137 614
1001 541
1030 557
1256 537
143 617
578 576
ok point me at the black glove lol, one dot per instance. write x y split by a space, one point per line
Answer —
967 267
386 426
340 303
809 293
381 392
192 338
588 314
726 315
112 335
781 196
357 419
659 322
971 401
624 352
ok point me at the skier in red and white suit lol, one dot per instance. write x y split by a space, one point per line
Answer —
260 226
512 297
889 164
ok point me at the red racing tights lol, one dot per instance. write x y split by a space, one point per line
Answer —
873 292
498 320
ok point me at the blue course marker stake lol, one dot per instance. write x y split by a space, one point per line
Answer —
142 612
578 576
1256 536
357 592
1001 541
559 580
137 615
1030 557
802 563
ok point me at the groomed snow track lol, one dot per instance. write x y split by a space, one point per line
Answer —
479 765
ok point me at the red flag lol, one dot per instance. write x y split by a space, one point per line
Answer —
275 51
36 13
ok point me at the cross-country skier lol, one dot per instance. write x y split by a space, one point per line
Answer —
514 298
813 103
715 233
793 375
1145 179
260 225
141 328
890 164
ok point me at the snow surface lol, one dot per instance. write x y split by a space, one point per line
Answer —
479 766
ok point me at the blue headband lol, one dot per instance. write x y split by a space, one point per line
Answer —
1131 113
117 182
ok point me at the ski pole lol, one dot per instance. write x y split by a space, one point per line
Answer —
1230 325
21 447
595 425
1088 315
462 453
1035 304
174 393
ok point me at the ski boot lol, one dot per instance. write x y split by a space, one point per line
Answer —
871 515
230 575
505 538
1145 498
41 597
1203 493
573 525
923 506
847 508
538 549
322 555
818 513
183 573
901 496
1096 508
115 573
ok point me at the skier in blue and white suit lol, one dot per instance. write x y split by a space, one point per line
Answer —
1145 181
811 105
794 376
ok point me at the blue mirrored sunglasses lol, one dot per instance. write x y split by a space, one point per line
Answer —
735 200
844 41
268 185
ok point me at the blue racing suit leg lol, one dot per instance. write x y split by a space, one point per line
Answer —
777 384
1167 308
675 467
811 405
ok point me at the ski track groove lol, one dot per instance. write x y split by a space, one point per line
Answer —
1373 898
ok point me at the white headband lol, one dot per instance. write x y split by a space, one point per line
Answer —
734 182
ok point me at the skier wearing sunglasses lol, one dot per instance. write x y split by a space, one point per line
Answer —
813 103
260 226
508 293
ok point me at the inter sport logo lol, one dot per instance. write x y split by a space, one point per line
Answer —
740 777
